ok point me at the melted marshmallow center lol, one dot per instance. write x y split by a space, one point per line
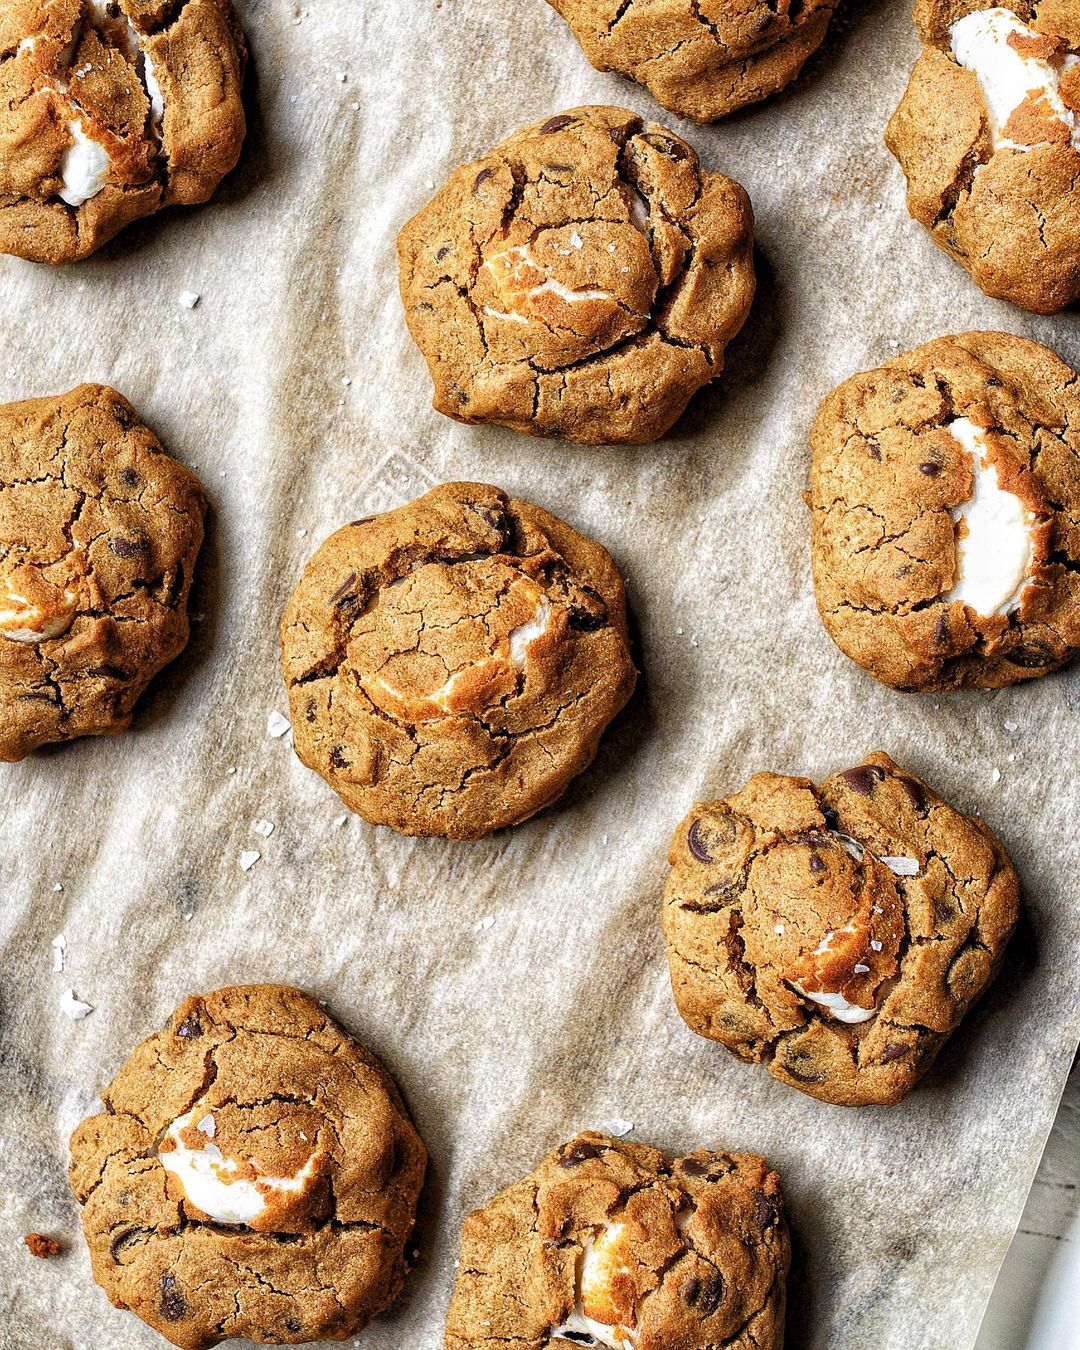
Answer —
995 549
603 1260
84 166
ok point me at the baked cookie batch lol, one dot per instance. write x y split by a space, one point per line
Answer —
451 665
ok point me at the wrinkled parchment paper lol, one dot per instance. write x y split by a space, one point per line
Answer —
295 389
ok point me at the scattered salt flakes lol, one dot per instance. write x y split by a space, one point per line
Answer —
342 76
995 777
58 886
346 380
231 771
356 108
207 1126
611 248
779 930
894 344
339 821
679 632
187 918
694 641
903 867
1010 727
189 299
277 726
875 945
576 240
301 534
618 1129
489 922
74 1007
303 1136
1012 758
264 827
59 947
249 858
861 969
604 840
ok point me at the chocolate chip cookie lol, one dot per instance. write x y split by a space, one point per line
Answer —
835 934
615 1244
988 136
945 491
581 280
452 664
254 1173
99 532
111 110
701 59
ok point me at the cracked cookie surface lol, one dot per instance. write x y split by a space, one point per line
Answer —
615 1244
836 934
701 59
988 137
109 111
582 280
99 532
254 1174
452 664
945 491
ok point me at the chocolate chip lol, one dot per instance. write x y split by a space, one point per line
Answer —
364 520
344 589
310 710
127 548
801 1066
704 1296
580 1153
668 145
863 779
442 253
930 469
942 636
172 1302
554 124
558 168
893 1051
943 911
874 451
108 672
337 757
1033 656
816 863
832 820
292 1326
766 1209
189 1028
130 478
694 1167
994 382
482 177
915 792
576 1337
694 844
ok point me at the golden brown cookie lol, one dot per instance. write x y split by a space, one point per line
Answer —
700 59
452 664
581 280
254 1174
988 136
99 532
836 934
110 110
615 1244
945 491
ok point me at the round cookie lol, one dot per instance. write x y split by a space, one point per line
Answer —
452 664
988 136
254 1174
615 1244
945 491
701 59
99 532
581 280
109 111
835 934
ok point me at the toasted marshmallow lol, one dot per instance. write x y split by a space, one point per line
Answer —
521 637
840 1008
23 621
597 1312
995 548
1008 77
84 166
153 90
519 279
208 1177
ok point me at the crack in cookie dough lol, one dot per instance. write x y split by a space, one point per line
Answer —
451 665
254 1174
99 533
988 136
837 934
116 109
701 59
945 491
582 280
608 1244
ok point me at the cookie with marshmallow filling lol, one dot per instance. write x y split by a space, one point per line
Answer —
610 1244
581 280
452 664
988 136
701 59
99 532
835 934
945 491
254 1174
109 111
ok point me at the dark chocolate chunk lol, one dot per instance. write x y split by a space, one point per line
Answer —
580 1153
863 778
694 844
554 124
127 548
173 1304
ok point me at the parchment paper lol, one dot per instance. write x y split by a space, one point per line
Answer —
295 389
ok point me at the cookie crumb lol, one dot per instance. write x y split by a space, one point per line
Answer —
37 1244
74 1007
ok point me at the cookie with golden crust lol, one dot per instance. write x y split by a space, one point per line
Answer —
701 59
836 934
945 491
614 1244
109 111
99 532
254 1174
988 136
452 664
581 280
